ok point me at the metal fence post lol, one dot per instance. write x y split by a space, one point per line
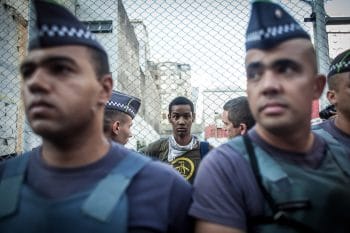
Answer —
321 44
30 139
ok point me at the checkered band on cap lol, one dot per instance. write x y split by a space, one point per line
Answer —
64 31
124 103
340 64
57 26
272 32
122 107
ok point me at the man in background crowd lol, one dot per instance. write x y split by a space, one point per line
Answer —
237 117
182 149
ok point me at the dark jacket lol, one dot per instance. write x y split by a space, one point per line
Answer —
187 164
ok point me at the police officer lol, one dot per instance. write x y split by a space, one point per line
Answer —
120 111
237 117
77 180
338 94
280 177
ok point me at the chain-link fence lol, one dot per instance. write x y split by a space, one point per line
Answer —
158 50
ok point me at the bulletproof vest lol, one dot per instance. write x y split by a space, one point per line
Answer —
299 199
103 209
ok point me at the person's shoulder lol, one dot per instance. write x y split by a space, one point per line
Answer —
15 160
232 146
154 146
154 171
119 150
226 153
324 129
326 125
159 141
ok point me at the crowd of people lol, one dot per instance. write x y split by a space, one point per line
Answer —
276 173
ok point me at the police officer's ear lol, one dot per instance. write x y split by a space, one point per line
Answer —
319 83
193 116
169 117
332 97
115 127
106 83
243 128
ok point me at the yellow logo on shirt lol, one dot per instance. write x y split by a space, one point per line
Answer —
185 166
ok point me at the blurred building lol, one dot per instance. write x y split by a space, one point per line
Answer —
126 42
173 79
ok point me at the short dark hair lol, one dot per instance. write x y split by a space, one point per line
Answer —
239 112
112 115
333 82
100 62
181 100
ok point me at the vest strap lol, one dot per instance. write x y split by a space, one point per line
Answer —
10 184
279 216
203 148
275 174
109 191
255 167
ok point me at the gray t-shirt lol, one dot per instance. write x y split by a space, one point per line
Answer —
225 190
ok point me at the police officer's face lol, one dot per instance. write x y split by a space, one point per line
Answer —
340 96
60 90
121 131
281 85
181 118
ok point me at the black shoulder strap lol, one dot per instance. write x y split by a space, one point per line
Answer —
257 174
203 148
279 215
